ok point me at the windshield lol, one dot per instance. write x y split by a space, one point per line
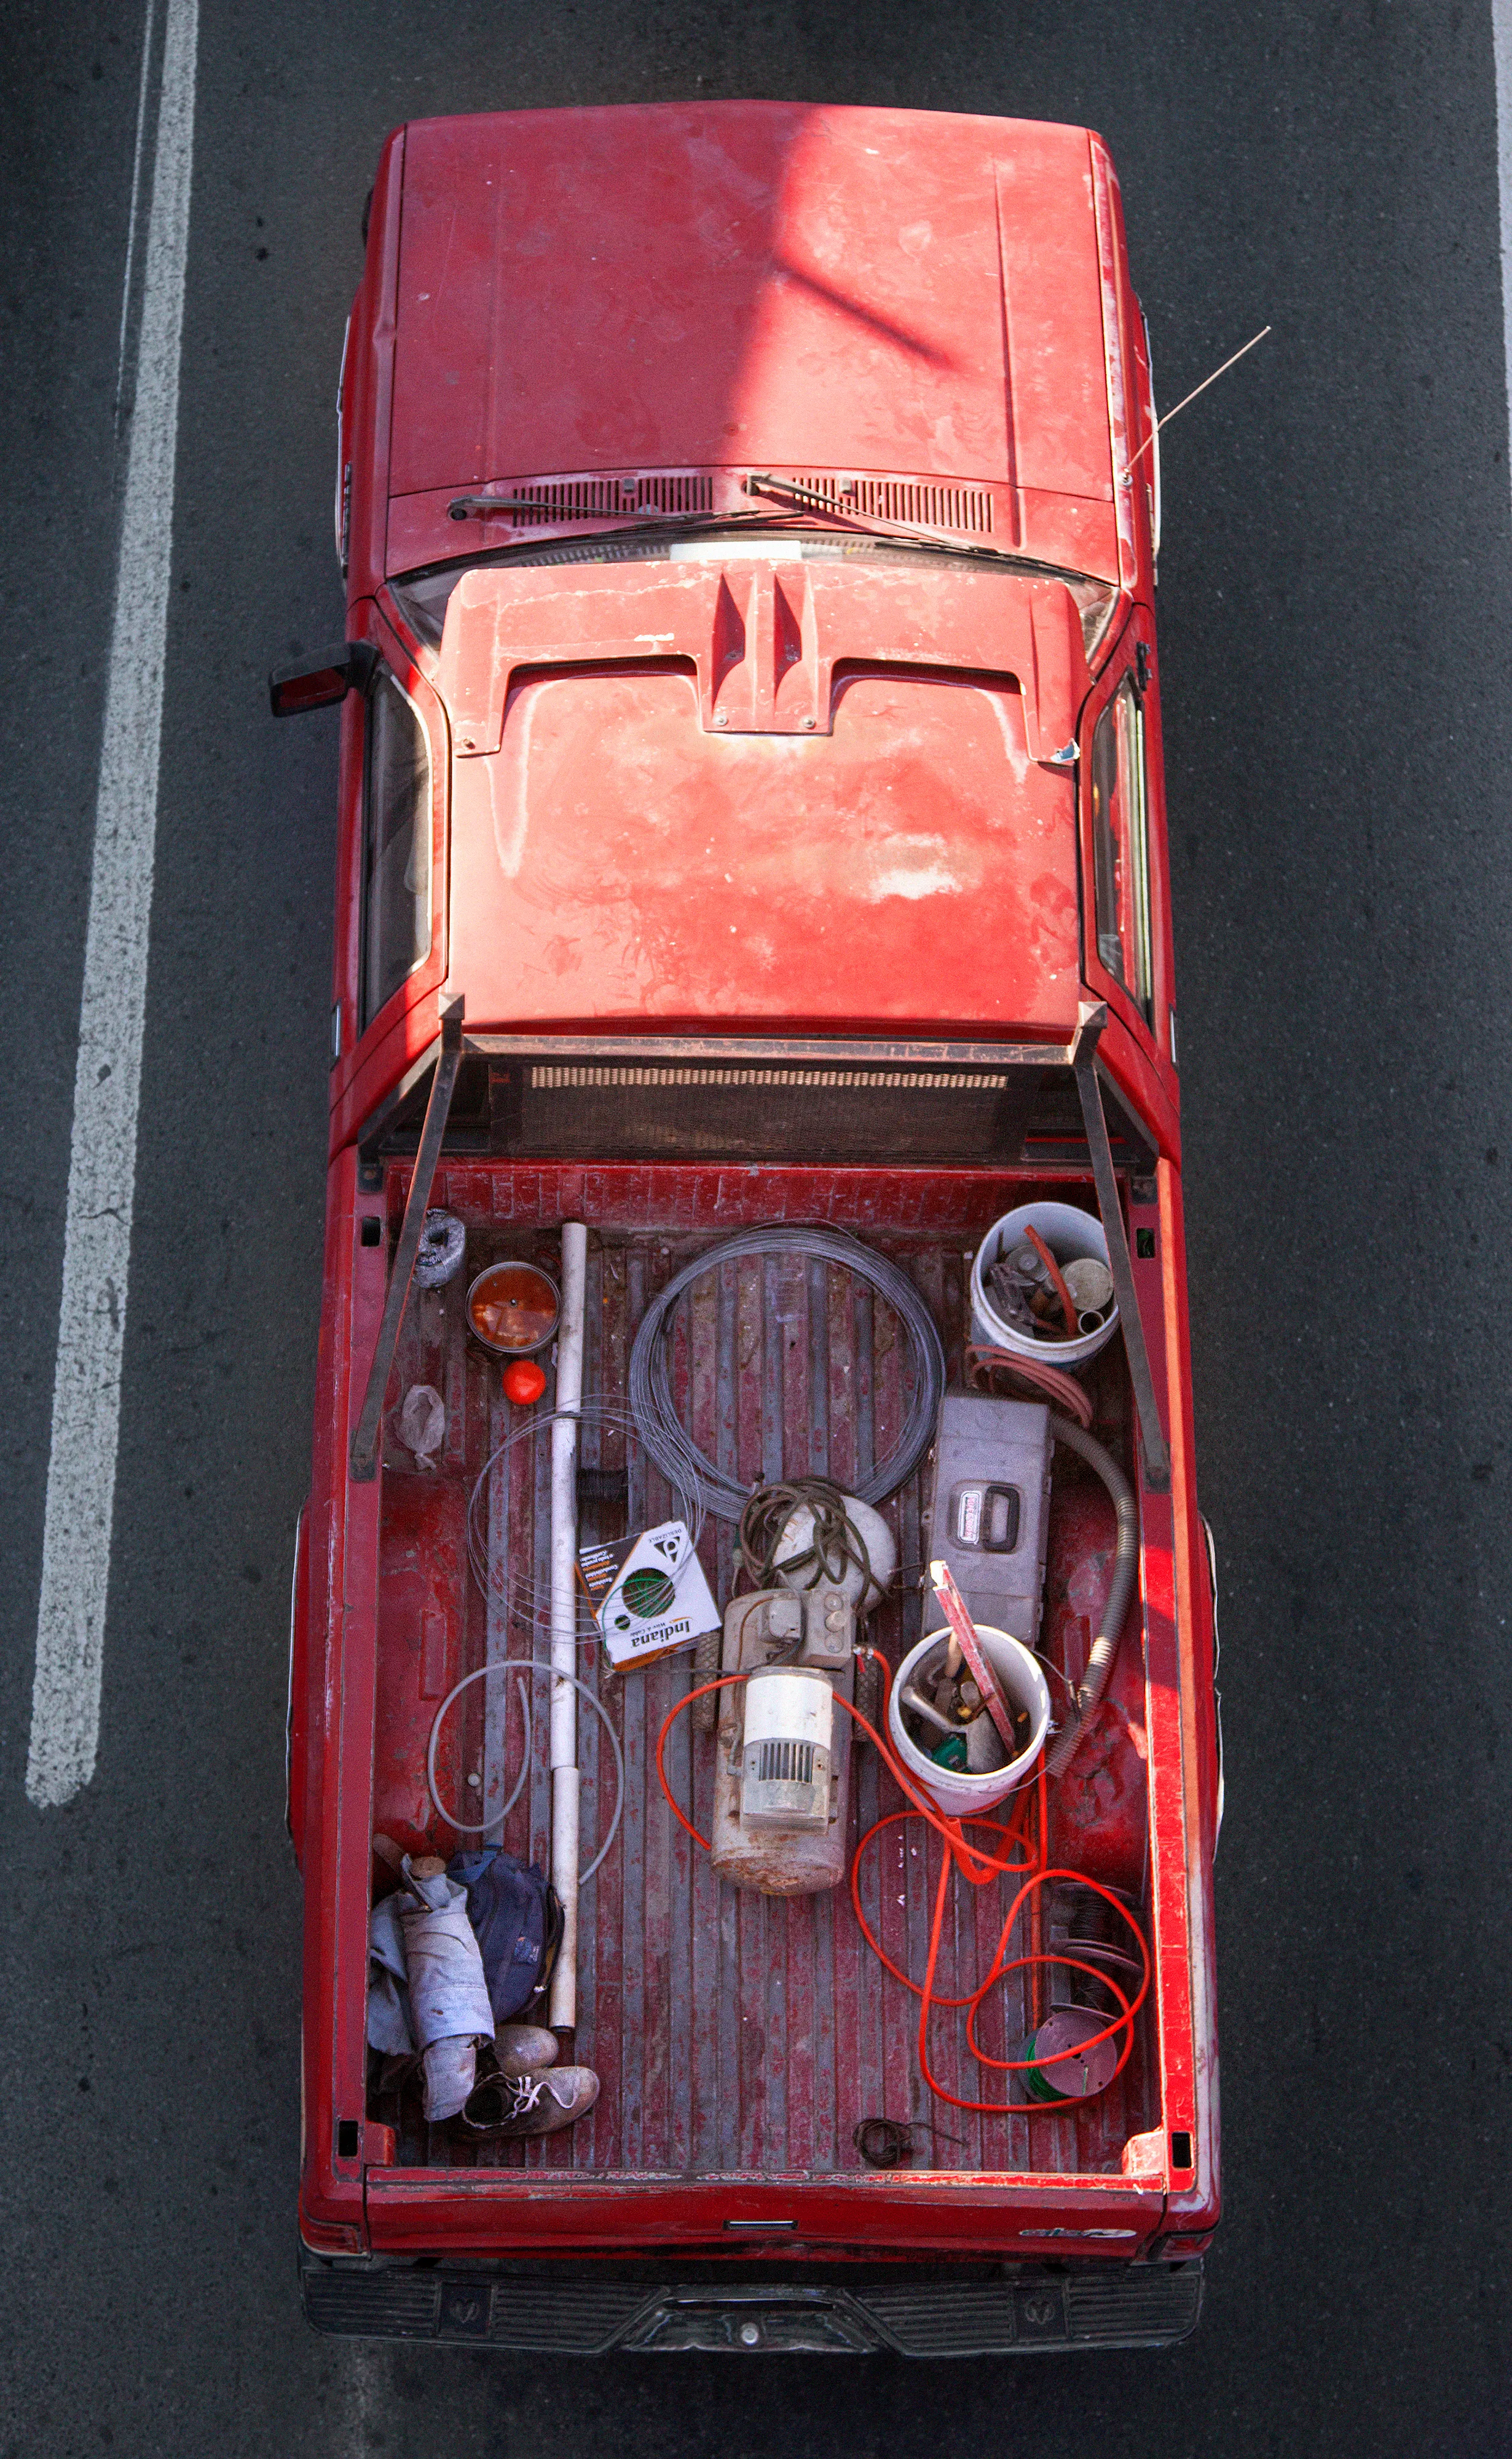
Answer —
422 596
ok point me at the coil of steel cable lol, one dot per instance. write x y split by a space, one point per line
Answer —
526 1603
650 1392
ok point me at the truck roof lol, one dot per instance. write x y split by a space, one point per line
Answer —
700 286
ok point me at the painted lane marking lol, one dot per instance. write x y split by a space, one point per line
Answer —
1502 42
134 216
102 1160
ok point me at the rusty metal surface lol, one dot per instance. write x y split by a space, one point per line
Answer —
733 2032
769 1049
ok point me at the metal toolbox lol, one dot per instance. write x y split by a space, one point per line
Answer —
990 1506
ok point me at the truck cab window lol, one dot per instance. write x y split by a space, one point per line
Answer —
1120 847
396 845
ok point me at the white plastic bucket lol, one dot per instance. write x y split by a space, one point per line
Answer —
1068 1233
963 1796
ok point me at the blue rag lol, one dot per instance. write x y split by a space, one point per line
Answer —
507 1906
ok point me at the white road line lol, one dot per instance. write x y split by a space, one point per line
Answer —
135 201
1502 40
359 2367
102 1164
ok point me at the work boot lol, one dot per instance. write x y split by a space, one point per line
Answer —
530 2104
521 2049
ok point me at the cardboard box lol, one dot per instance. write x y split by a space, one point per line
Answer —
648 1593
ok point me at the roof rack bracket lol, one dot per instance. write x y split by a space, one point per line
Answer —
1083 1060
362 1457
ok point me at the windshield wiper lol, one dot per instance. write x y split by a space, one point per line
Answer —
792 491
468 507
790 494
787 495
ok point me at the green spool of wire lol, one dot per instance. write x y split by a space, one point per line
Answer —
1058 2052
648 1593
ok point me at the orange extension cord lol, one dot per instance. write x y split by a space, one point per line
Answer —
978 1868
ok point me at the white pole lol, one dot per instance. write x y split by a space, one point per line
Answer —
563 2003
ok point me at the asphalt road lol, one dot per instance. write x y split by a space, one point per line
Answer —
1335 610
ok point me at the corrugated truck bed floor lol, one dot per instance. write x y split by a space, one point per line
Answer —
732 2033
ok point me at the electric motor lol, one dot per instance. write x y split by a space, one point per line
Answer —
785 1752
784 1746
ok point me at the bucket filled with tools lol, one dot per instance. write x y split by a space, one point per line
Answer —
943 1733
1041 1287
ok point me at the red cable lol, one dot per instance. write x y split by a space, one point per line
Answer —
1073 1330
961 1856
1036 1373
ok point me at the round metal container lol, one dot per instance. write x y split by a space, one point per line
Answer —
1063 2070
511 1309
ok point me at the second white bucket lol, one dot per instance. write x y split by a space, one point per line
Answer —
958 1795
1068 1233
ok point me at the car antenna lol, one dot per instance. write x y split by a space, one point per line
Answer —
1192 395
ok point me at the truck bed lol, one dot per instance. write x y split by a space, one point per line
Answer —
733 2033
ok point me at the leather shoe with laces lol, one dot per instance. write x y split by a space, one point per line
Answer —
530 2104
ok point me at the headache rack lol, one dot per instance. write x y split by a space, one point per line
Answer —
665 1098
587 1099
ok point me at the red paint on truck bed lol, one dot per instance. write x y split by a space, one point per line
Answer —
733 2033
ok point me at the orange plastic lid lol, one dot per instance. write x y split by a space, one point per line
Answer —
513 1308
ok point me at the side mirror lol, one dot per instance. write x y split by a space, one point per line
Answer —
320 683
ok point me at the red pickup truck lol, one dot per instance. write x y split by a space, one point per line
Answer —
752 820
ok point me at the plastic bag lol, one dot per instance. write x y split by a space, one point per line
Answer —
422 1422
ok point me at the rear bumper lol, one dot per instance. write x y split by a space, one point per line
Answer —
589 2310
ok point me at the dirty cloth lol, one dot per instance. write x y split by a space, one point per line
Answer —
389 2025
425 1986
450 2072
509 1908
